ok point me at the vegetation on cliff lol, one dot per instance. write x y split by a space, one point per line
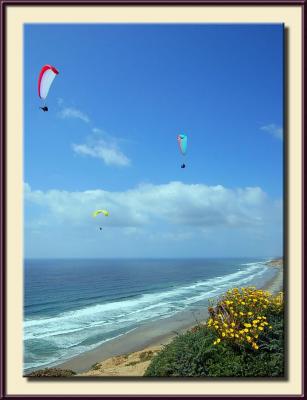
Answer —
243 336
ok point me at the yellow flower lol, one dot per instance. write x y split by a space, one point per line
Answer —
260 328
255 321
245 330
218 340
247 325
241 313
223 334
249 313
233 324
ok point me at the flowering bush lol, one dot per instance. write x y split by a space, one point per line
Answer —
243 337
241 316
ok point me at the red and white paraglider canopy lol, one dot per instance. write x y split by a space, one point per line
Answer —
45 79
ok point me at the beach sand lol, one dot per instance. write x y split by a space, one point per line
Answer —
152 334
130 354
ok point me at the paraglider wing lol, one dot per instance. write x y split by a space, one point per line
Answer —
104 212
45 79
183 142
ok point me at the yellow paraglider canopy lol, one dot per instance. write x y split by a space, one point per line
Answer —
97 212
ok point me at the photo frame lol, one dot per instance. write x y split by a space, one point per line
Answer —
14 14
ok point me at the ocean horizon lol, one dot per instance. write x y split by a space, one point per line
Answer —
74 305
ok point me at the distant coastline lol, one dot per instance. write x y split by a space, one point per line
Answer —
276 284
276 262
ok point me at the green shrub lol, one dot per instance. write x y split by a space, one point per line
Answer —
52 372
146 355
95 366
193 354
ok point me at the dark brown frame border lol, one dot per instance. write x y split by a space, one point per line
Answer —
11 3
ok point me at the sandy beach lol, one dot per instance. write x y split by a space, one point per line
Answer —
147 337
130 354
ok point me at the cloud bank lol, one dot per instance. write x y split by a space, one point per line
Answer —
174 203
168 220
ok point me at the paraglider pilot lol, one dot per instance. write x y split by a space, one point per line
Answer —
182 141
45 79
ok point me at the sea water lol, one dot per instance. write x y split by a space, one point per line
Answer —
71 306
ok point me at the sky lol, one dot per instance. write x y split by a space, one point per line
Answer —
109 141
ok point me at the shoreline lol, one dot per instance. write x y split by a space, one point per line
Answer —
124 355
153 334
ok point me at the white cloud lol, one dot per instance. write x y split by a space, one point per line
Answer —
99 144
107 152
274 130
70 112
104 146
171 204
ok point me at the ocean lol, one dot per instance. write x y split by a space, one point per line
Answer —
72 306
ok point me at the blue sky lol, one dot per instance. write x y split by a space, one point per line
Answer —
122 95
